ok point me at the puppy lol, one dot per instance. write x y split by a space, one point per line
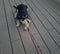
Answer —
22 15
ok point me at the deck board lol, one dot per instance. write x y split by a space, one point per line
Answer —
16 42
52 7
5 46
45 27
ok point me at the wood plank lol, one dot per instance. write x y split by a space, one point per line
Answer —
38 39
29 47
17 47
52 46
51 7
5 47
55 36
50 11
37 28
48 18
12 26
16 42
53 4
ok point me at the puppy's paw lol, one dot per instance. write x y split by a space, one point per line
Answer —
17 25
25 28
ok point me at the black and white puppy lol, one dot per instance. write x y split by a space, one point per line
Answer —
22 15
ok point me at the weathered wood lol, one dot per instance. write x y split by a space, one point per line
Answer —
44 33
45 27
5 46
16 42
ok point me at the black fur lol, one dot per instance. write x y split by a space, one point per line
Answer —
22 12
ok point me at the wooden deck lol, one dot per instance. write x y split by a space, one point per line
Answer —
45 27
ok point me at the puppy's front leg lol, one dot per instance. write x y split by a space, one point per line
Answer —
26 24
18 23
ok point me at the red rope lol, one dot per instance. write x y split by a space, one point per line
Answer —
33 39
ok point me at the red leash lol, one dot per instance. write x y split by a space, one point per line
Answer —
34 41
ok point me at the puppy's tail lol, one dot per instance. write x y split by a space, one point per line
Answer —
15 7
